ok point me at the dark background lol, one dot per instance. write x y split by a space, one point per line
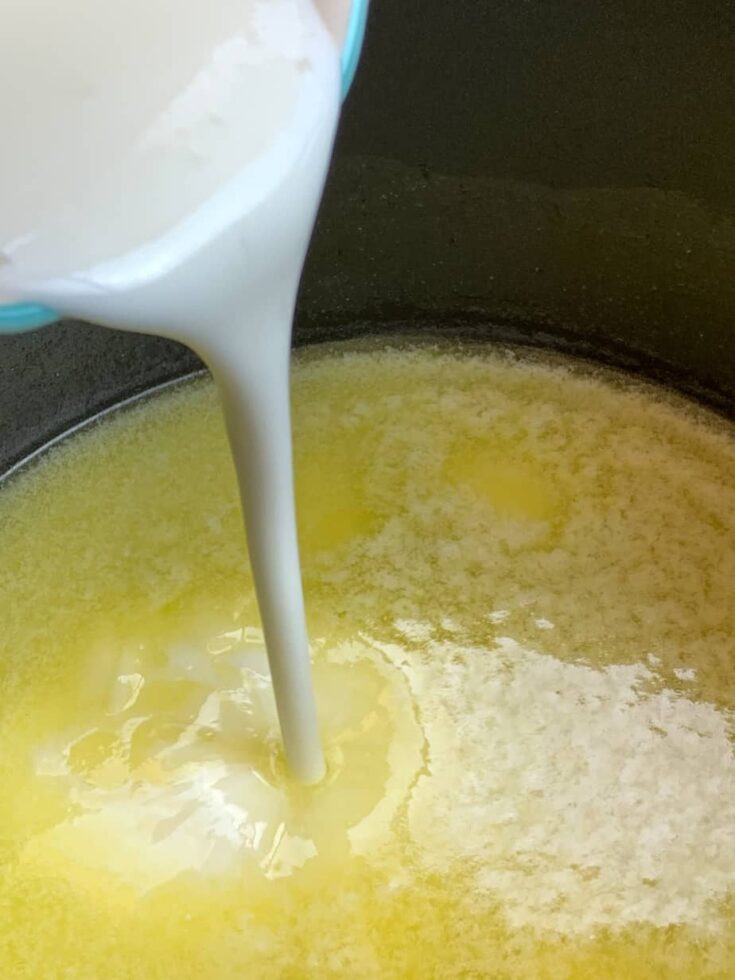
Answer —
551 172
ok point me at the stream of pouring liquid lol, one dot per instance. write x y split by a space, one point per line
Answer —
223 184
255 395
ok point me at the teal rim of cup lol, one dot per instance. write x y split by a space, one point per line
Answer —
354 41
20 317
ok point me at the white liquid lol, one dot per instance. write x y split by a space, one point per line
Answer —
163 169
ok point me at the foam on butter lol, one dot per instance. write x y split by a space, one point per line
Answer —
519 581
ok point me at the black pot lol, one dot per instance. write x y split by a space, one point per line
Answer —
557 173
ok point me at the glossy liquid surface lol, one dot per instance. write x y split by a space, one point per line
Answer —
519 580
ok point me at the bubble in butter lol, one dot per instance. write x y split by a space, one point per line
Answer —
519 579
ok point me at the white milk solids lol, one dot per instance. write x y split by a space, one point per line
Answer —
161 171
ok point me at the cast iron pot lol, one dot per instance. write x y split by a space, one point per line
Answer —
557 173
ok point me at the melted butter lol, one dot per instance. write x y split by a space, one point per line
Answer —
519 583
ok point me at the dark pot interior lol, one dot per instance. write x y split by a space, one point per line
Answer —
555 173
